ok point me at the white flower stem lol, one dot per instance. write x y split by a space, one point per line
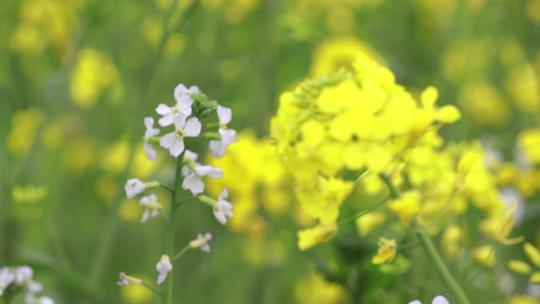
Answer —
170 231
152 288
181 252
431 251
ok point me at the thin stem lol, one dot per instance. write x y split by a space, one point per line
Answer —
166 187
185 201
170 231
181 252
365 211
430 250
152 288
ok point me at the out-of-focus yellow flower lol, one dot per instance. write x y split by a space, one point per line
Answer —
313 289
406 207
484 255
533 10
369 222
129 211
93 75
115 156
79 154
24 128
466 60
336 53
310 237
523 299
529 143
386 251
499 227
234 11
255 178
136 294
451 240
106 187
28 194
522 84
485 104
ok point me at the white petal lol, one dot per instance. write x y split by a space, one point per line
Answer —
208 171
193 127
439 300
167 141
223 195
179 121
224 115
220 217
163 109
193 184
151 153
167 120
179 91
178 147
184 105
217 148
189 155
149 122
228 136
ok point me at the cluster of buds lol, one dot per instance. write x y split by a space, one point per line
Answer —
18 279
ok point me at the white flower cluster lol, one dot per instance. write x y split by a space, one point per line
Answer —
184 116
184 121
22 277
436 300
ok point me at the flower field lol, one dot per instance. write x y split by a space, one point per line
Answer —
270 151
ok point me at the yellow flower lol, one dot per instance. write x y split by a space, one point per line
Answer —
310 237
500 226
484 255
451 239
136 294
93 74
523 299
313 289
522 84
336 53
386 251
529 143
369 222
24 128
406 207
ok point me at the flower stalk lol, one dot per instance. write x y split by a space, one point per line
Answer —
431 251
171 230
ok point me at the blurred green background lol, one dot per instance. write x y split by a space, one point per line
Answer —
78 76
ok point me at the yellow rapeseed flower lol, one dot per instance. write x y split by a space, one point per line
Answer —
386 251
310 237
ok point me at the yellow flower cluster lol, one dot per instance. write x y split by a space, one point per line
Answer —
352 121
44 22
254 174
24 129
313 289
93 75
533 254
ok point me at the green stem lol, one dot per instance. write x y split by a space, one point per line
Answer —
170 231
181 252
432 253
152 288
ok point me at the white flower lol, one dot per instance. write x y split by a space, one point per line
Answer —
164 266
174 141
228 136
181 92
6 278
34 287
134 187
23 274
125 280
149 133
202 242
151 207
194 172
45 300
436 300
222 208
182 109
